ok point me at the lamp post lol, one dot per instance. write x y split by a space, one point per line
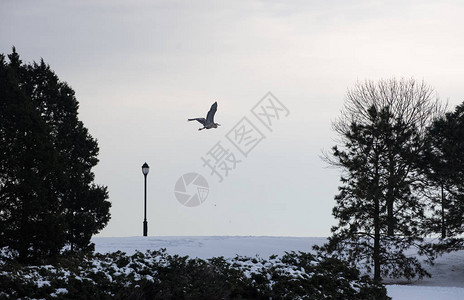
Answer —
145 169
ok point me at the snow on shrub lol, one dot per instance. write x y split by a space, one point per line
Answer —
158 275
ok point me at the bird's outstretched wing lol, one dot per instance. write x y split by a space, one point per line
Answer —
201 120
212 111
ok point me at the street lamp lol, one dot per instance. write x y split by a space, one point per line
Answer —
145 169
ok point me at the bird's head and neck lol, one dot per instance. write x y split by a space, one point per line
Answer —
215 125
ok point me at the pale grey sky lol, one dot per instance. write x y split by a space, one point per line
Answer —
141 68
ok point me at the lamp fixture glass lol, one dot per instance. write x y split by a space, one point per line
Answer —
145 169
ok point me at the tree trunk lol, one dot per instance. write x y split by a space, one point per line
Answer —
390 195
443 223
376 195
390 218
376 240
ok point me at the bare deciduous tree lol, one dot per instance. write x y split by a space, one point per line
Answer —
414 103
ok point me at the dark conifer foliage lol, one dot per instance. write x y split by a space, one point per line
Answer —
29 220
380 208
444 166
362 206
47 195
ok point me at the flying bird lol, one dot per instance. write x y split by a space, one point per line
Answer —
208 123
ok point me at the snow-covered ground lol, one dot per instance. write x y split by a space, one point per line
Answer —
447 282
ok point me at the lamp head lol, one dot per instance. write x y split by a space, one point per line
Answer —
145 169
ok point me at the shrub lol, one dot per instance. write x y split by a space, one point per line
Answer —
157 275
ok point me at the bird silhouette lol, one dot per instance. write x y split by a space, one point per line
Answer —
208 123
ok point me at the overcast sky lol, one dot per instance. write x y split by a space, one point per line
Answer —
141 68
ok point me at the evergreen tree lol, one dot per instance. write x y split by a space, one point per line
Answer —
362 204
380 210
30 218
47 195
444 166
85 208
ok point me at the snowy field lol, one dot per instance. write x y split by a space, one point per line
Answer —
447 282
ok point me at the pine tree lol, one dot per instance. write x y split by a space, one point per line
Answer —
362 204
379 209
444 166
